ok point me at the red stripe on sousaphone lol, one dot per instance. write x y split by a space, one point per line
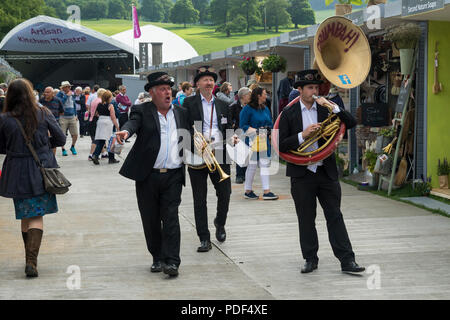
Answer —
306 161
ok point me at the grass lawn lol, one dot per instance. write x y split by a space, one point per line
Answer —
202 38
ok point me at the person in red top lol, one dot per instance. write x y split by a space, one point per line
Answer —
124 105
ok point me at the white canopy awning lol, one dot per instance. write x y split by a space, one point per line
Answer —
44 34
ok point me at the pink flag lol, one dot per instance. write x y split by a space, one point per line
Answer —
136 29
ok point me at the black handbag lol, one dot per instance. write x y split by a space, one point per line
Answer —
54 181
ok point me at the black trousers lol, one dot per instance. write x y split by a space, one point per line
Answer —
159 197
123 118
199 183
304 191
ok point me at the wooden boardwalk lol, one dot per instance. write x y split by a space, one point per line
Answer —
98 232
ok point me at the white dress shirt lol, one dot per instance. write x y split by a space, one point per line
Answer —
215 132
309 117
169 152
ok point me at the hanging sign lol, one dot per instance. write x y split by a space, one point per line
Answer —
412 7
298 35
403 96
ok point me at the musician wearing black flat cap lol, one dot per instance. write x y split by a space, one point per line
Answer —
156 164
212 118
316 181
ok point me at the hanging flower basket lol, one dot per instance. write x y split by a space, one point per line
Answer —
404 37
274 63
249 65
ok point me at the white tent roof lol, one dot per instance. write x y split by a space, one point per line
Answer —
47 34
174 48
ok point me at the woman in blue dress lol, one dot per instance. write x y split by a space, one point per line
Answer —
256 121
21 178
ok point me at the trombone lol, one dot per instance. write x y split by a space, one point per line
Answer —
204 149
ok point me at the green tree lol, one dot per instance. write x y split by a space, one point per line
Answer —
94 9
59 7
277 14
236 25
301 13
14 12
167 6
116 9
219 11
202 7
152 10
249 10
183 12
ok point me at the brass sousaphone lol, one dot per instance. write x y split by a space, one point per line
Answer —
342 55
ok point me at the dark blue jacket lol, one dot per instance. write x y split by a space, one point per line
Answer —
21 177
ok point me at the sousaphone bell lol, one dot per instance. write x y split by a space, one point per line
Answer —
342 55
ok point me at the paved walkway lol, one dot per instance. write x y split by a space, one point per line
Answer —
98 230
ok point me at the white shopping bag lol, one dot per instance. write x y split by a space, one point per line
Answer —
239 153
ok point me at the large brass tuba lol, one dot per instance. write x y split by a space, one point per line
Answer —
343 57
204 149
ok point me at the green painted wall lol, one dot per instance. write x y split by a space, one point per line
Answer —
438 115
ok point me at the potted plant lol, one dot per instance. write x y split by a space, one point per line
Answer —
404 37
249 65
443 170
344 6
340 164
274 63
423 186
384 136
375 2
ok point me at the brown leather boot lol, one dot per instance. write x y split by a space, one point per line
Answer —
33 244
24 237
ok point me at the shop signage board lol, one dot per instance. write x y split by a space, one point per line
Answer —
143 55
375 114
206 57
263 44
357 17
298 35
237 50
413 7
403 96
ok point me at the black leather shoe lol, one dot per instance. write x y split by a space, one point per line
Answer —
352 267
113 161
156 266
205 246
171 269
221 235
309 266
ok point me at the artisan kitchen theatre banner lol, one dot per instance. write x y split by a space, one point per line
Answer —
45 35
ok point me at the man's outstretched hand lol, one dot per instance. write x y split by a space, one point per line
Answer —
121 136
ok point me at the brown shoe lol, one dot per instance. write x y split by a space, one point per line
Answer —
33 244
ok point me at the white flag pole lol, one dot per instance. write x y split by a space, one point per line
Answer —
132 21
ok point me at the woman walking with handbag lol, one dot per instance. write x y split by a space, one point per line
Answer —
256 121
106 120
21 177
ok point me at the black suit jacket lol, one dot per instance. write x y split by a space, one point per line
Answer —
144 121
291 123
194 107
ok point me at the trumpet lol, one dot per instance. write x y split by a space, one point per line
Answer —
204 149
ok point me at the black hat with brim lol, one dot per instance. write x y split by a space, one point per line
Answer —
305 77
205 73
158 78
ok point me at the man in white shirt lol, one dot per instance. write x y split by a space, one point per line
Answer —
318 180
155 163
212 118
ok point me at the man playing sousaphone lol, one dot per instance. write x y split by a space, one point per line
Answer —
318 180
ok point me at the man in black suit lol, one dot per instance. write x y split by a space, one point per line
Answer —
319 180
212 118
155 162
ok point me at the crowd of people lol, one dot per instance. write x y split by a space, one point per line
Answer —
157 164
